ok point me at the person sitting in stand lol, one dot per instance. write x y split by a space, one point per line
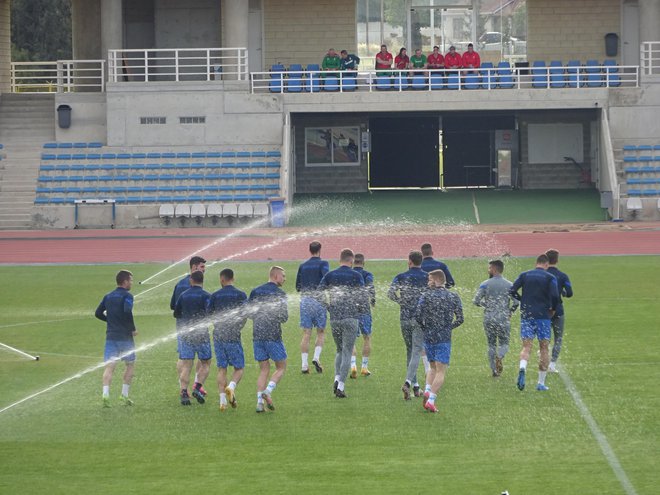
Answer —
402 61
453 60
383 61
471 59
435 60
418 61
348 61
331 62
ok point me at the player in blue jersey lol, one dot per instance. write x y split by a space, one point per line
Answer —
405 290
364 320
191 312
268 310
312 311
344 288
438 312
116 309
429 264
197 264
227 310
538 304
565 289
493 295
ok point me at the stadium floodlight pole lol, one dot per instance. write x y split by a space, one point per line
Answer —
34 358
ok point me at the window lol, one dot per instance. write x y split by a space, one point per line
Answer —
153 120
327 146
192 120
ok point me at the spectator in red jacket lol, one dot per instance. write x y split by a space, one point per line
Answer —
453 59
435 60
471 59
383 60
402 60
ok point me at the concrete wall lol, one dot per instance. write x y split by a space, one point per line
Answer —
233 118
634 116
190 24
569 29
88 117
327 179
301 31
5 46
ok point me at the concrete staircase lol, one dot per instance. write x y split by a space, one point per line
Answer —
553 176
26 122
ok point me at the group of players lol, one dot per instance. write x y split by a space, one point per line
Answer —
429 311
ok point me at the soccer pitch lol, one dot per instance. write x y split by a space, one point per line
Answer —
488 437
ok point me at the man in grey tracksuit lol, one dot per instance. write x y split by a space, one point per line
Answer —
493 296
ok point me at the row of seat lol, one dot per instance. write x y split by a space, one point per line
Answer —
644 192
93 144
123 167
631 148
218 210
648 169
211 177
158 198
43 190
158 156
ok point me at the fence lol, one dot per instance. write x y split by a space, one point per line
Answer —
302 81
185 64
62 76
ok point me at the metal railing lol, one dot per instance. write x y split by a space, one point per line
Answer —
183 64
650 57
62 76
578 77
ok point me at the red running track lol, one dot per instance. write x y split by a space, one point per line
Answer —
138 246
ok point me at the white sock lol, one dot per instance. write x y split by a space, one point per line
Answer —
223 398
317 352
196 380
353 361
271 386
259 398
232 385
365 362
415 384
427 388
106 390
340 386
305 365
432 398
124 389
523 364
337 377
427 366
408 382
542 377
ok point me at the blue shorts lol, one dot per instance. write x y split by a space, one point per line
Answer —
266 349
312 313
438 352
364 325
539 328
116 349
229 353
188 347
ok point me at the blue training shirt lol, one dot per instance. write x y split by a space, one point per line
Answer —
310 274
227 310
116 309
438 312
539 294
180 287
429 264
191 309
268 310
345 291
564 288
406 289
369 288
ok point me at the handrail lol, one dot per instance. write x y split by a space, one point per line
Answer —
61 76
178 64
650 57
578 77
610 168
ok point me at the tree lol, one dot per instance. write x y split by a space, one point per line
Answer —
40 30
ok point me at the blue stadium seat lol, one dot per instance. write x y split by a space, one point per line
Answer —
78 156
472 81
273 154
62 167
138 156
124 156
78 167
91 178
273 175
539 74
629 147
182 166
258 154
124 167
574 76
487 75
650 192
149 199
46 168
213 154
152 166
166 177
401 82
418 81
295 82
195 188
149 189
257 176
75 178
166 199
151 177
93 156
65 145
453 81
108 167
90 190
137 177
632 170
628 159
79 145
48 156
504 75
94 144
165 188
50 145
557 77
109 156
104 189
242 154
138 166
133 199
436 80
167 166
153 155
212 176
134 190
383 83
198 154
180 188
313 82
213 165
594 76
43 190
277 75
228 154
64 156
168 155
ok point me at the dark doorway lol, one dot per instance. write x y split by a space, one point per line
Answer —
467 155
404 152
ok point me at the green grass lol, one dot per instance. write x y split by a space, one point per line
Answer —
454 206
487 438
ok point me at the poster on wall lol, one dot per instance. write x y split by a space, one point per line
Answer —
328 146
